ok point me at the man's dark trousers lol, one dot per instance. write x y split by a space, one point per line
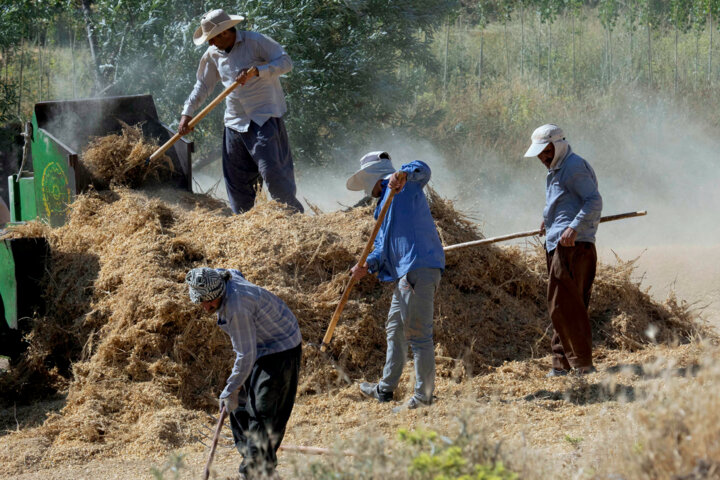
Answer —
260 154
259 426
571 272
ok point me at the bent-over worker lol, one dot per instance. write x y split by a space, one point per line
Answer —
260 391
570 221
408 251
255 142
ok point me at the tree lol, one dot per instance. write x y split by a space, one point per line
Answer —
22 20
679 15
698 19
648 17
632 17
480 12
713 13
548 11
345 57
522 4
505 10
574 7
608 11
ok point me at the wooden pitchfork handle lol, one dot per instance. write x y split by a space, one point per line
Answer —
218 428
485 241
351 282
194 121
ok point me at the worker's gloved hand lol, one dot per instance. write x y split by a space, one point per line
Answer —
230 402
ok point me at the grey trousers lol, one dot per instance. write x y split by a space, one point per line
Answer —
410 320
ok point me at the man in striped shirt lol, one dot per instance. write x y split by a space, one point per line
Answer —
260 391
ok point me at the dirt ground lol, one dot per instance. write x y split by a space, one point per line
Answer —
533 410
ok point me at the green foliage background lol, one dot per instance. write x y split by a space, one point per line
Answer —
345 55
415 67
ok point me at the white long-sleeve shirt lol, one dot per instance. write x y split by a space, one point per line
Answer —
261 97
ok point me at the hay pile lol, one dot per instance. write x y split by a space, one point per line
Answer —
123 159
140 362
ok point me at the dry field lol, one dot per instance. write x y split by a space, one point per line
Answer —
548 428
122 372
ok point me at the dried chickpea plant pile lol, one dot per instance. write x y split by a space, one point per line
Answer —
139 363
123 159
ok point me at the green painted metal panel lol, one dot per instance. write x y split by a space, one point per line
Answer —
52 178
22 198
14 195
8 284
28 209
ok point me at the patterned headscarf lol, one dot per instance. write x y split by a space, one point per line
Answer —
205 284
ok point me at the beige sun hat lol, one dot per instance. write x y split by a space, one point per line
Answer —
542 136
373 167
213 23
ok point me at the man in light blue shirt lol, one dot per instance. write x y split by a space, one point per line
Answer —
407 251
255 142
265 336
570 220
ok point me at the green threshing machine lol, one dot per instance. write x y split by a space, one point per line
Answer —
49 178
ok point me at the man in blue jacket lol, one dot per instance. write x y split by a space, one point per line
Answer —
570 220
260 391
407 251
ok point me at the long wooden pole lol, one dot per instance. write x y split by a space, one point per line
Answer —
218 428
486 241
194 121
312 450
351 282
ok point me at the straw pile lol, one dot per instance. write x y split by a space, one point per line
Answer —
123 159
140 362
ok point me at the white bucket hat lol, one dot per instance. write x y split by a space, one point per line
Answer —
213 23
542 136
373 167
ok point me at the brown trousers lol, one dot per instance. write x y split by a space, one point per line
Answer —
571 271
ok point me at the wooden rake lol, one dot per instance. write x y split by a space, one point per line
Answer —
348 288
218 428
194 121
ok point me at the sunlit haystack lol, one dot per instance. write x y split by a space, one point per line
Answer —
123 159
139 361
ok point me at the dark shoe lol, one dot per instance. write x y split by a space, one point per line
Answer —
584 370
415 402
556 372
373 390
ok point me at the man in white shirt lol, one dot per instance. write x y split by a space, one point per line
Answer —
255 142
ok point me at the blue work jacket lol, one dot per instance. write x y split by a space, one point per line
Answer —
572 200
407 239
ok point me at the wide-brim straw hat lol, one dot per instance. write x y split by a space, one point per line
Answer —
213 23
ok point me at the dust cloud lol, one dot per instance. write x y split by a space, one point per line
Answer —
647 157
